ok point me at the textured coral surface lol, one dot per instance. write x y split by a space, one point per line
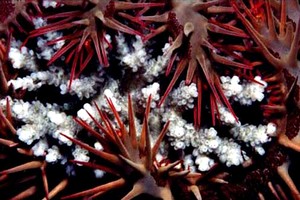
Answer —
149 99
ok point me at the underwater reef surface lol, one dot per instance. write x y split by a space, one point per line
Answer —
149 99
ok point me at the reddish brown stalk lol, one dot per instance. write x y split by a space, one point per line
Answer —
58 188
25 194
102 188
26 166
103 155
3 80
6 125
284 174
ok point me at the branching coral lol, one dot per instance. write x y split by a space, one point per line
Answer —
278 40
89 26
24 161
222 76
189 30
136 157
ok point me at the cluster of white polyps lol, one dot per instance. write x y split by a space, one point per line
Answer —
83 87
54 76
80 154
245 93
230 153
49 3
254 136
21 57
207 141
226 117
138 58
133 59
180 132
156 67
184 95
152 90
45 51
53 155
41 122
204 142
203 162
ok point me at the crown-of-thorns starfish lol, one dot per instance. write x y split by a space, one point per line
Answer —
126 155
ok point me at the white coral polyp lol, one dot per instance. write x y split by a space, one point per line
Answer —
180 132
49 3
57 134
246 92
184 95
28 134
109 94
98 146
53 155
271 129
204 163
230 153
39 149
80 154
152 90
82 114
16 57
255 136
56 117
20 109
85 111
99 173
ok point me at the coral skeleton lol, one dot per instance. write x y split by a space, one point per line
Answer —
140 99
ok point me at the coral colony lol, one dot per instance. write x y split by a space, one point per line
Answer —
155 99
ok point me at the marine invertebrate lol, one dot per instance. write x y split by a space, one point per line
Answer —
3 83
189 30
89 25
136 157
11 9
280 47
279 44
20 160
225 154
